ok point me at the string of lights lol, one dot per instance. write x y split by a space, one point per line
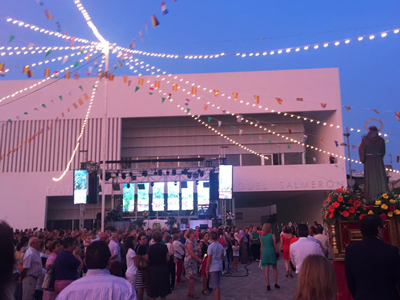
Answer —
46 31
315 46
92 97
38 50
12 95
255 124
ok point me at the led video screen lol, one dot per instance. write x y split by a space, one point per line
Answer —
128 197
80 186
173 195
143 196
187 196
158 196
203 194
225 182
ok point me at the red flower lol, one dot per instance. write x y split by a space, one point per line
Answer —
331 209
383 216
370 207
331 216
335 204
339 190
357 204
392 207
340 199
361 216
352 210
351 202
345 214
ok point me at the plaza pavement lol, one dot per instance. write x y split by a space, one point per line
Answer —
251 287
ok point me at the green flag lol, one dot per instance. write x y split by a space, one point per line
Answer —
81 87
269 142
187 110
209 119
9 120
288 146
76 64
44 105
12 37
48 53
231 127
162 100
25 113
136 89
60 97
250 134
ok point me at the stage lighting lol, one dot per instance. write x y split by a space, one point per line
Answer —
185 171
167 172
155 172
176 183
123 176
152 184
174 172
201 173
189 175
144 173
159 173
128 186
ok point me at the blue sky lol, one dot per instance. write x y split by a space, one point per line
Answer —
369 70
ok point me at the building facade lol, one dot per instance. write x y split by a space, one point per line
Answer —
291 183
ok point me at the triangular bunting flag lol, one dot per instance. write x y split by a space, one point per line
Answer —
75 105
347 108
235 96
174 87
136 89
140 82
397 113
125 78
269 142
157 84
48 14
205 107
299 99
67 74
279 100
162 100
25 70
44 105
219 123
250 134
288 146
154 21
80 101
86 97
216 93
76 64
11 38
81 88
257 99
47 53
164 9
188 110
323 105
336 143
46 72
194 90
209 119
375 110
60 97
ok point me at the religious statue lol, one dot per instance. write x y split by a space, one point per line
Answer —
372 150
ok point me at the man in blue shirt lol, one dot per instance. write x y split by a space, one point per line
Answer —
215 253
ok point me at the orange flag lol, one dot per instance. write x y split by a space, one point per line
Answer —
175 87
235 96
46 72
257 99
323 105
80 101
299 99
279 100
67 74
140 83
86 97
125 78
25 70
75 105
205 107
194 90
157 84
216 93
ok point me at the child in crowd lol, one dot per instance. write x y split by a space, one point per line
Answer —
235 249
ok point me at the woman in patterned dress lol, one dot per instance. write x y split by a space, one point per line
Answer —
192 258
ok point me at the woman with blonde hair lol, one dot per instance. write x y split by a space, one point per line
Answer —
269 254
317 279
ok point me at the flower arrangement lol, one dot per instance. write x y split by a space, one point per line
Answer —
346 205
343 205
387 206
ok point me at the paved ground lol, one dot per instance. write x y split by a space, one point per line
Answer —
249 287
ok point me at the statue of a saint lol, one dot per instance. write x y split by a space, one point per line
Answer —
372 150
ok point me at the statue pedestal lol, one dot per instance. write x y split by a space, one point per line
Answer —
343 292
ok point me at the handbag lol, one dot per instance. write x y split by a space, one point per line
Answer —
48 282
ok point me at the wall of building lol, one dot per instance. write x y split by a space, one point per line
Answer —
26 169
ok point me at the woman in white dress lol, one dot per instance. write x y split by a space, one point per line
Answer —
131 261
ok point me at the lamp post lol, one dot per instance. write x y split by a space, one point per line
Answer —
347 135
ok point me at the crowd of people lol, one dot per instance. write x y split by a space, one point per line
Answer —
135 264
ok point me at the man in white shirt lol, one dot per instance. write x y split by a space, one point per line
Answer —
98 282
115 255
32 269
303 247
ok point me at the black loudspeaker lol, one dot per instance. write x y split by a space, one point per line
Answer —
272 219
93 189
214 185
202 216
184 184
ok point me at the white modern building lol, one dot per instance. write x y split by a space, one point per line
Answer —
292 182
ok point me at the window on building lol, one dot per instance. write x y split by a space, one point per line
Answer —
251 160
268 162
233 159
276 159
295 158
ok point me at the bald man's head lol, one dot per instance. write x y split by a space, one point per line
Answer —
103 236
34 242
